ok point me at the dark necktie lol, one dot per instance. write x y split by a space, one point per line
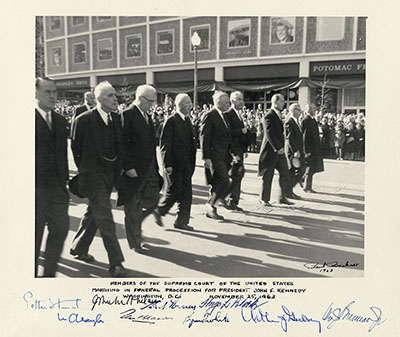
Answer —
48 120
109 121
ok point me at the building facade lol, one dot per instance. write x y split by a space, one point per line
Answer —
259 55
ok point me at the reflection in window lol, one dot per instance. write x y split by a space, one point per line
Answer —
204 34
103 18
165 42
239 33
79 52
78 20
330 28
133 45
105 49
56 61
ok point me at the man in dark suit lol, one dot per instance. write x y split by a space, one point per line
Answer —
312 147
178 153
294 149
97 149
240 141
51 176
272 154
90 103
216 146
139 186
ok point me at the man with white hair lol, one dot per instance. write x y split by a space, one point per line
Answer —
140 184
217 147
178 153
272 154
240 140
97 150
312 147
294 149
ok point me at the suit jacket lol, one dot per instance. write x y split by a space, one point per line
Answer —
87 148
240 140
51 150
79 111
139 143
178 145
312 144
215 138
293 140
273 140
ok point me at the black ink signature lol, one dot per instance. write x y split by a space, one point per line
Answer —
333 264
149 319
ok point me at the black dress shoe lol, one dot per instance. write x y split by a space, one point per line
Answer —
139 250
230 206
294 196
83 257
264 203
118 271
285 201
157 217
237 208
309 190
184 227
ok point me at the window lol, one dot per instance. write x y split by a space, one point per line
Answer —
330 28
105 49
165 42
204 34
56 59
133 46
103 18
55 23
354 97
282 29
79 52
239 33
78 20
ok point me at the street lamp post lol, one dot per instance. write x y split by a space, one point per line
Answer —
195 43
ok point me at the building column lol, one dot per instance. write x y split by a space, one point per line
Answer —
93 81
304 91
149 77
219 74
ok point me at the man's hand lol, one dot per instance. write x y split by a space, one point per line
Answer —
280 151
168 170
208 163
244 130
297 154
131 173
236 159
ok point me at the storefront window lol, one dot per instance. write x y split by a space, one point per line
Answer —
354 97
330 28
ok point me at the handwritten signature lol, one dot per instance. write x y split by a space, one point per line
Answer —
129 315
336 314
254 314
49 303
76 318
333 264
219 317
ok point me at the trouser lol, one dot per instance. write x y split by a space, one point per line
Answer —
281 165
143 203
180 191
51 208
309 179
99 216
235 195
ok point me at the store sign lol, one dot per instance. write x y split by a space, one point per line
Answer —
346 67
73 83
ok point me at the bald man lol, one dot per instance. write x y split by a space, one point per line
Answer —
217 150
312 147
140 184
178 153
90 103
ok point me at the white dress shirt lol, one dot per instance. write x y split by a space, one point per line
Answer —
103 114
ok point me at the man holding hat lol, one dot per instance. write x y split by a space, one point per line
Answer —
294 149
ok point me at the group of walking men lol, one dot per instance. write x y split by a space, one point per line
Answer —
113 150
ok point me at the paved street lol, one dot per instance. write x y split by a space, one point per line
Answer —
261 242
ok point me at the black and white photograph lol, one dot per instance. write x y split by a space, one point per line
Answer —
238 33
57 60
282 29
165 42
133 45
261 175
204 34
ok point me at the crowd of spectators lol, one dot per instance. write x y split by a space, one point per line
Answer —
342 135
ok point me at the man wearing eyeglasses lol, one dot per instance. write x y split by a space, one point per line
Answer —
140 183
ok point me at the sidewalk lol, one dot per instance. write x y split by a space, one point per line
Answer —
274 241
